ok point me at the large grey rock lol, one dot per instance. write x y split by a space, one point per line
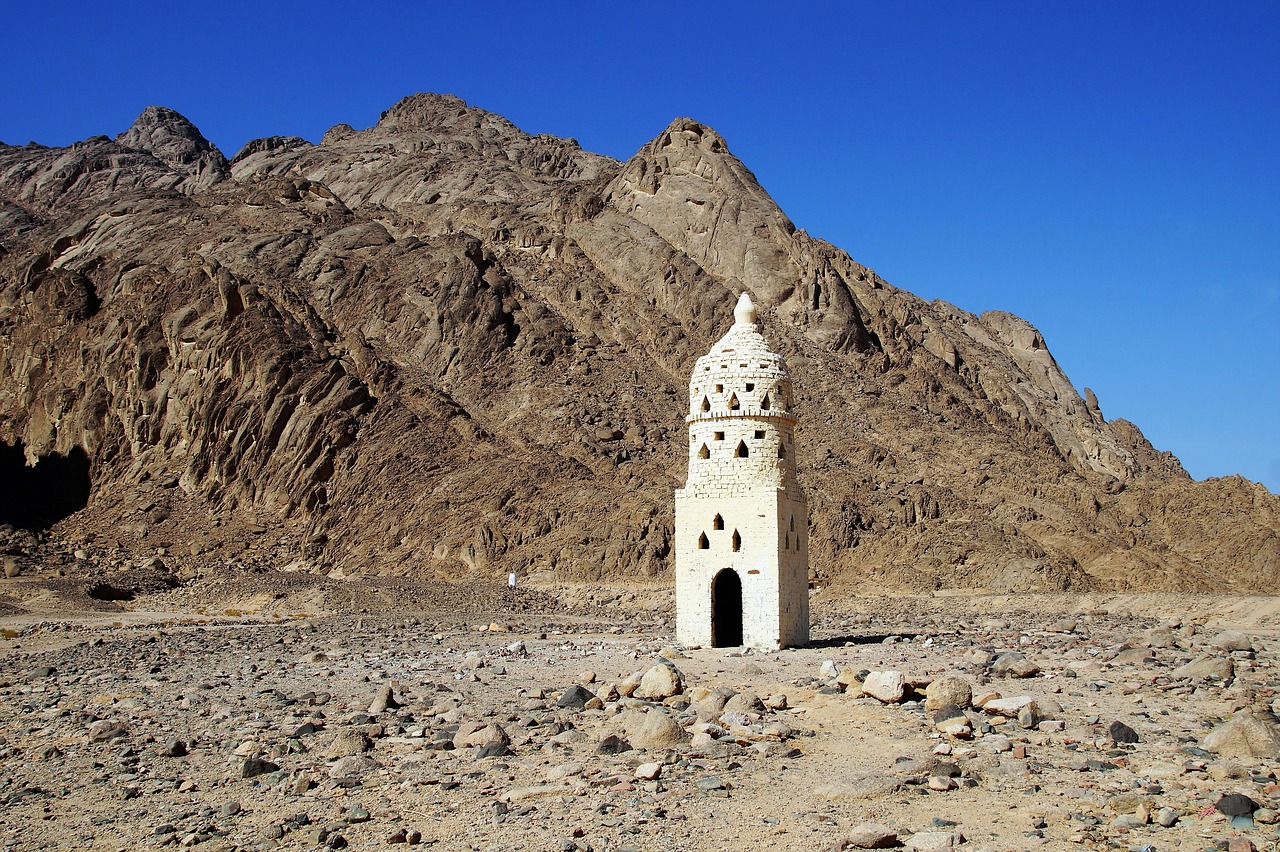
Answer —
744 702
1014 664
1244 735
948 690
348 741
1232 640
858 788
658 731
871 835
480 734
888 687
659 682
353 766
1206 668
1007 707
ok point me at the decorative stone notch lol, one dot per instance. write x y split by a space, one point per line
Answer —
742 525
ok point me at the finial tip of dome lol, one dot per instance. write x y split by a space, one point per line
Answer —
745 312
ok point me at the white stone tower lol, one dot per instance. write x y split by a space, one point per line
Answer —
742 537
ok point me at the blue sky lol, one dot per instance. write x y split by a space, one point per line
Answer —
1108 171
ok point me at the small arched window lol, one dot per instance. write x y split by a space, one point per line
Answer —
733 402
764 403
717 523
706 404
703 542
737 542
704 453
793 523
742 452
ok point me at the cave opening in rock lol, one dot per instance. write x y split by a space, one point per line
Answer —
35 497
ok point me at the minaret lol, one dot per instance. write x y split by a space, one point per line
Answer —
742 537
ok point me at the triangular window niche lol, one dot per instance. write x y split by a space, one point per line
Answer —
703 542
737 542
733 402
742 452
704 453
717 523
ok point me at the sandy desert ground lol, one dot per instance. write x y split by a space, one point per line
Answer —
273 711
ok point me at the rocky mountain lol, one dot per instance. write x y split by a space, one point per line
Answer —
444 347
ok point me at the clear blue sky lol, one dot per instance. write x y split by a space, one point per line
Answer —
1109 171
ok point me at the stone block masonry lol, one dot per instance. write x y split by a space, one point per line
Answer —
742 543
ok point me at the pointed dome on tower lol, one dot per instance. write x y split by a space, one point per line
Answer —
745 312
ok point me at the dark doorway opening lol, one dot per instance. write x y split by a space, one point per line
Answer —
726 609
35 497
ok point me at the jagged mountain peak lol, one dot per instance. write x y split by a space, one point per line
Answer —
446 346
428 111
688 132
167 135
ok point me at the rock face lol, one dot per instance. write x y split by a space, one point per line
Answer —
444 346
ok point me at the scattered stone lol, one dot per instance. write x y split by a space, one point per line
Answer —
948 691
352 767
348 741
1245 735
574 698
926 841
661 681
1122 733
658 731
1232 640
888 687
1007 707
255 766
383 701
1206 668
952 721
744 702
1014 664
106 729
870 835
481 735
648 771
1235 804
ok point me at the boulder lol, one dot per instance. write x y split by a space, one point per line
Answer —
480 734
352 767
574 698
659 731
744 702
870 835
1244 735
661 681
1014 664
948 690
952 721
1007 707
1232 640
348 741
1206 668
888 687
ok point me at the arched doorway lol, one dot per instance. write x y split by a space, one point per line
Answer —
726 609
